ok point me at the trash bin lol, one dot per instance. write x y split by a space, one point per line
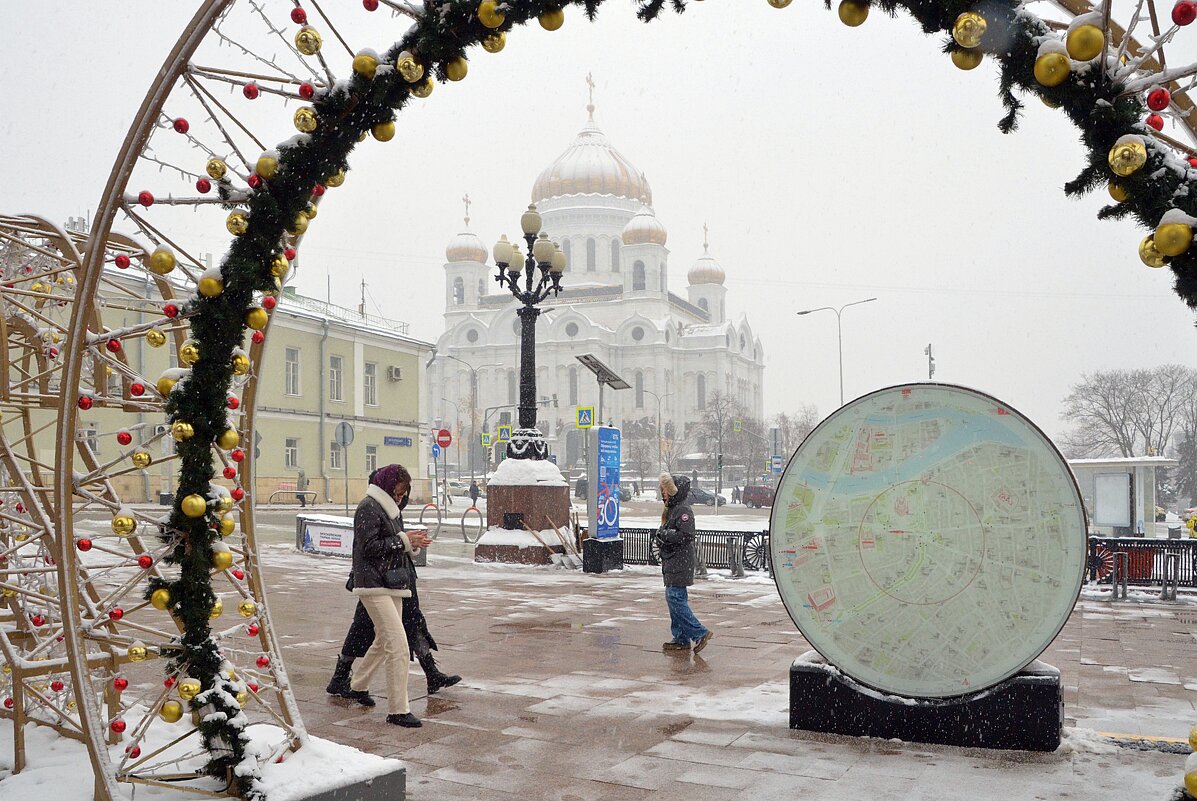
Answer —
1173 532
166 498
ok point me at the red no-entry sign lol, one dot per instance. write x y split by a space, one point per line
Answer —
444 438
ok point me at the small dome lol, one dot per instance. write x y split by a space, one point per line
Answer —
466 246
705 271
591 166
644 229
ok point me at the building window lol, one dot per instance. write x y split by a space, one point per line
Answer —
702 304
336 456
291 453
565 248
91 438
614 255
458 291
701 391
504 418
370 385
571 329
512 387
638 276
336 387
472 336
638 381
115 383
371 458
591 255
573 386
291 371
481 287
637 333
515 326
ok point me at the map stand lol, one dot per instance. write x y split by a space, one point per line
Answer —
1025 712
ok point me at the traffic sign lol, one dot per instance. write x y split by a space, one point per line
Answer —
768 465
585 417
485 440
736 426
777 464
504 433
436 451
444 438
344 434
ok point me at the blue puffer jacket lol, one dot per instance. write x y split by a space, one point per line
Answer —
676 538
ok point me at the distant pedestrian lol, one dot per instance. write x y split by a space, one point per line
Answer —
301 488
736 494
675 539
445 491
474 493
635 489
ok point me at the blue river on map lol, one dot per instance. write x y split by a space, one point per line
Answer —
961 430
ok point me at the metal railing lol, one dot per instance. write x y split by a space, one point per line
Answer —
1160 563
749 549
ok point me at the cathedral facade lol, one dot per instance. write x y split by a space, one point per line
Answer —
676 352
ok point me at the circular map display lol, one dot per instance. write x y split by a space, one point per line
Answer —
928 540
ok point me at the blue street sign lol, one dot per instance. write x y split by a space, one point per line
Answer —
403 442
436 451
777 464
504 433
585 417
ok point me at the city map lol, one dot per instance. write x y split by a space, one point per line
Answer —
928 540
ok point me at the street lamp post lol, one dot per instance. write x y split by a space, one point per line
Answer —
660 457
457 437
840 333
526 441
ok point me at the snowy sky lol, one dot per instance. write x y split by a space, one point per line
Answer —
832 164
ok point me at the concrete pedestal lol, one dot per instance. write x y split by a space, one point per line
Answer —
388 787
599 556
515 555
1025 712
540 507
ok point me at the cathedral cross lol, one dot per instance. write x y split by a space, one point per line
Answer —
466 200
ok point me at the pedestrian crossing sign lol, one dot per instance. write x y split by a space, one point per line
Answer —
736 427
486 440
504 434
585 417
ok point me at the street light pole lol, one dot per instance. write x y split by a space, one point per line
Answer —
457 437
660 456
839 333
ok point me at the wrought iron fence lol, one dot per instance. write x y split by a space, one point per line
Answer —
1145 559
753 547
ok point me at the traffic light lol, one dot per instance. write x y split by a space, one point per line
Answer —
719 462
930 362
554 400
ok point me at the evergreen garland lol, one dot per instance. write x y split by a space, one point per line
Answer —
1093 101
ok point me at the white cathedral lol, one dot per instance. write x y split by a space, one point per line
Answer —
615 303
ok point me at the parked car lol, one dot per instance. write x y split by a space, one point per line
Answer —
758 496
699 495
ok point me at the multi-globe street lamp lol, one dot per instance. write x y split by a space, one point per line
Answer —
840 332
530 289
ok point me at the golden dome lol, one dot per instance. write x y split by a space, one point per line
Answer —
591 166
705 271
466 246
644 229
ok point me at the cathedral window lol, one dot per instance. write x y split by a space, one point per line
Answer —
702 304
565 248
573 386
742 342
700 384
639 382
591 255
638 276
481 287
512 387
458 291
472 336
614 255
637 333
571 329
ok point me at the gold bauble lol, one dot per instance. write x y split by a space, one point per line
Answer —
423 88
123 525
160 598
305 119
853 12
155 338
1127 158
257 318
216 169
138 653
495 42
298 225
210 286
188 689
365 65
1193 738
237 223
1148 253
165 385
162 261
142 460
1191 783
383 131
181 431
266 166
1085 42
194 506
242 698
456 69
217 609
247 609
552 20
969 29
310 211
967 59
1051 69
189 353
779 3
228 439
1173 239
1118 193
409 68
227 526
490 15
225 503
308 41
336 179
172 711
279 266
222 560
240 364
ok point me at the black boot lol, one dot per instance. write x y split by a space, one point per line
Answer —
340 680
436 679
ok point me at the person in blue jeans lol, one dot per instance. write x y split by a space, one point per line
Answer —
675 540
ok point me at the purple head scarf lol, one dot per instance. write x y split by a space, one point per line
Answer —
387 478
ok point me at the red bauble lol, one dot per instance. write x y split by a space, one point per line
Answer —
1184 12
252 630
254 181
1155 121
8 703
251 91
258 337
318 190
263 661
20 507
239 574
253 688
203 185
145 561
370 5
1192 161
56 686
122 261
52 353
145 198
170 682
124 437
182 126
289 253
83 544
37 620
134 752
269 302
307 91
299 16
116 613
113 345
137 389
170 310
120 685
237 454
117 725
230 473
85 402
1158 99
237 493
233 402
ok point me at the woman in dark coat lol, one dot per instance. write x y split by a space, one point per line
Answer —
675 540
420 643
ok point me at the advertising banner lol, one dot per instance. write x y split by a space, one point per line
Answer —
607 502
330 536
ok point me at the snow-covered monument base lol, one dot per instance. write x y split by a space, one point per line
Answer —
1024 712
527 513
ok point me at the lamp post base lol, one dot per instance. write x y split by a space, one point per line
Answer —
527 443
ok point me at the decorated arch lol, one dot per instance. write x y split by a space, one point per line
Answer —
94 592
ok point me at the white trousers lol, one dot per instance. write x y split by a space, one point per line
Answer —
389 648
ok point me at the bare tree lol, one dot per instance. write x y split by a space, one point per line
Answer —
672 445
1102 405
718 419
641 438
796 426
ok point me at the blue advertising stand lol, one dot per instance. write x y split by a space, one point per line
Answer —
603 550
